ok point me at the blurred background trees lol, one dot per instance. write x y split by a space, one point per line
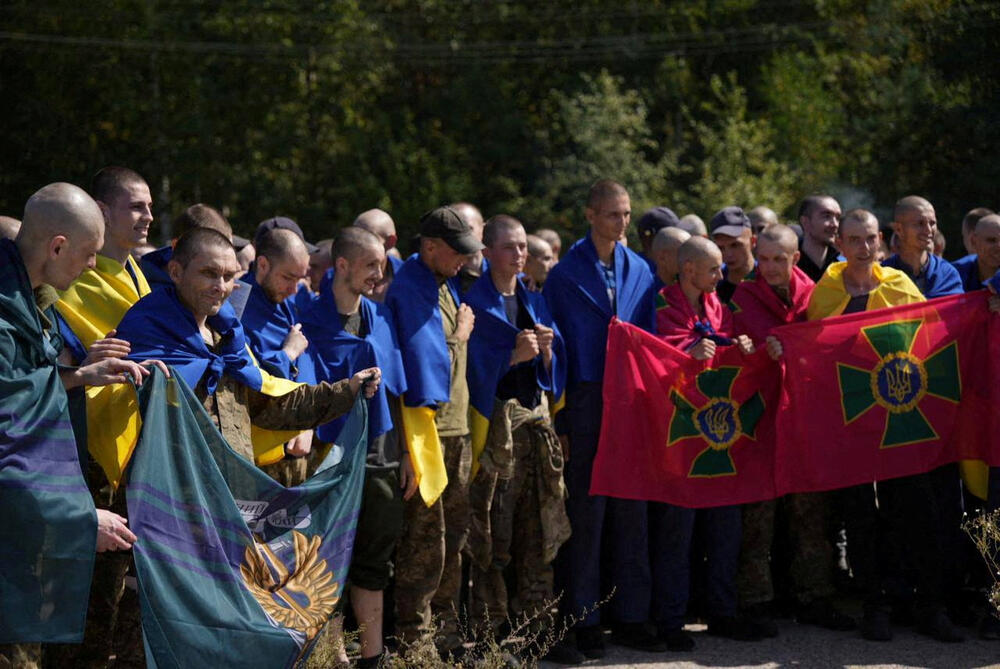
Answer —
318 110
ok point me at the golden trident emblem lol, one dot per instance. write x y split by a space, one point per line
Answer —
899 381
719 421
302 599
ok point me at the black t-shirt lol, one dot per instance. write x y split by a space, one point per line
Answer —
521 381
857 304
812 270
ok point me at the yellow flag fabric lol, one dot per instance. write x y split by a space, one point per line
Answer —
830 297
99 298
426 453
976 475
479 426
269 445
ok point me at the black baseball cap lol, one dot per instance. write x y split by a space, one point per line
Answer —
730 221
281 223
656 219
445 223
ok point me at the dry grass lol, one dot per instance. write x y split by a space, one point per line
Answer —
985 534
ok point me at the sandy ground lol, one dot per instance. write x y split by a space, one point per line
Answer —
802 646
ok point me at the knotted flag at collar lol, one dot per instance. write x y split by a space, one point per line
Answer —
490 346
265 325
681 326
335 354
830 297
757 308
940 278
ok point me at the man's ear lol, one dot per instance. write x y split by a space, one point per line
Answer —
262 264
340 265
105 211
175 271
795 257
57 245
390 242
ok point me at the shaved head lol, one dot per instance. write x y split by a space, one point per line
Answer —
693 225
60 233
377 222
910 203
279 244
538 246
696 249
760 217
470 214
779 234
202 216
9 227
667 239
352 242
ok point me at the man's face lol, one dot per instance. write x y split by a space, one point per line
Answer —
73 257
915 229
363 274
704 272
737 252
128 216
610 218
537 266
820 224
508 253
859 242
775 263
986 240
444 260
319 263
279 279
207 281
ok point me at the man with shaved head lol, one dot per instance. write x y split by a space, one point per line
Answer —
692 318
46 543
599 279
348 332
9 227
986 243
693 225
381 225
540 260
968 226
915 223
819 216
200 215
477 265
319 263
552 237
761 217
778 295
665 245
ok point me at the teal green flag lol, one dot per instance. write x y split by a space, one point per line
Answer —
234 570
49 529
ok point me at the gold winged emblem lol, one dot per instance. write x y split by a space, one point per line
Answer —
303 599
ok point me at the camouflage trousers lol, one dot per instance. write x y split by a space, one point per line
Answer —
288 472
812 553
429 562
517 536
20 656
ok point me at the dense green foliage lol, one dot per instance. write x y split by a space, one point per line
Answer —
321 109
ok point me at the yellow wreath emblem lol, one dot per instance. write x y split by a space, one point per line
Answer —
303 599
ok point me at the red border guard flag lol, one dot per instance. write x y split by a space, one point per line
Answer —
682 431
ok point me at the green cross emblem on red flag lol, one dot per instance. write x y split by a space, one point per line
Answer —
899 382
716 419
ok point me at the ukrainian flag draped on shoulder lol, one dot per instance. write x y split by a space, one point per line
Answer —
158 327
830 297
49 529
577 296
234 569
266 325
335 354
99 298
490 346
413 299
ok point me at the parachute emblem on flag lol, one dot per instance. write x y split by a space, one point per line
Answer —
899 381
302 599
720 421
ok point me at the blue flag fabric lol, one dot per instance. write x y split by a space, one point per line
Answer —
49 531
940 277
266 325
335 354
158 327
154 267
413 300
968 271
494 338
234 570
577 296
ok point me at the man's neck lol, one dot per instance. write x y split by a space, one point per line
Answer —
440 278
783 291
506 285
117 254
605 249
859 279
347 300
914 258
667 280
693 297
816 251
734 275
985 271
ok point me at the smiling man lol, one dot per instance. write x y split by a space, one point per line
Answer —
819 216
915 224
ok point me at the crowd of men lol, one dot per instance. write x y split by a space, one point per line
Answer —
482 355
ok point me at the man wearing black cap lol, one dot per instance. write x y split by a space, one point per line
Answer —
732 234
649 224
433 329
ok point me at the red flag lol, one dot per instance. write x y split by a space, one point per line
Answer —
886 393
684 431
